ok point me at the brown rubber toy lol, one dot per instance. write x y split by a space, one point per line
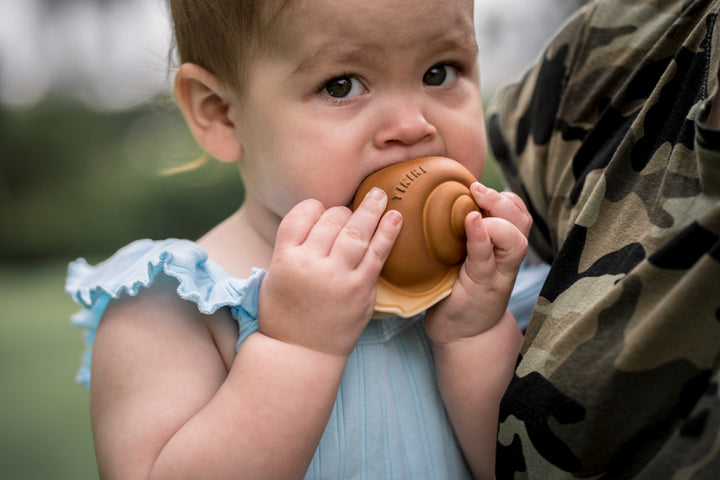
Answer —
433 195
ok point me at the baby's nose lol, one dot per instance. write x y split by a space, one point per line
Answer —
403 123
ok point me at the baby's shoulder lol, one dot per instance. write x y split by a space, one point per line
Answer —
160 291
157 322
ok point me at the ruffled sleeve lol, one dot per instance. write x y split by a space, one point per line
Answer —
138 264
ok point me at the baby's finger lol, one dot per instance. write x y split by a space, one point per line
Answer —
480 261
509 244
353 240
505 205
382 242
296 225
324 233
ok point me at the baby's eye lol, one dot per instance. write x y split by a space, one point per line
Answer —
439 74
343 87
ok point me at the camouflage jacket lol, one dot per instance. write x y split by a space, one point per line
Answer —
605 140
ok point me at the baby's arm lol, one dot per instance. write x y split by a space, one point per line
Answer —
164 403
475 338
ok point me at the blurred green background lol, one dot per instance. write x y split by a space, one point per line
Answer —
82 149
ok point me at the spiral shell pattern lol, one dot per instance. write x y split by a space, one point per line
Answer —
433 195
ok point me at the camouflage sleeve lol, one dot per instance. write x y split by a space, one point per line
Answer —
605 139
520 137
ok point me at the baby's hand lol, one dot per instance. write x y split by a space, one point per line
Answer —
496 246
319 291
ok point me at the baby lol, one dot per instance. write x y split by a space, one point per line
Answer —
253 352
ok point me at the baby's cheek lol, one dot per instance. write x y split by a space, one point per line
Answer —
468 145
473 157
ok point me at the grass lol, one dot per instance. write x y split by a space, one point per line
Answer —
44 419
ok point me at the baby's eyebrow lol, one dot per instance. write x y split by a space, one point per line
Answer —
465 44
336 55
333 54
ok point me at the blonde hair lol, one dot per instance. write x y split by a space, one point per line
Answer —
224 36
187 167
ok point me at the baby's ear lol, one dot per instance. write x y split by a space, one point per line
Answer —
205 103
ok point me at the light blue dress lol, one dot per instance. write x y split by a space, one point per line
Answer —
388 420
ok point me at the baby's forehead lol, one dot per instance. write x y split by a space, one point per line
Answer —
375 21
294 10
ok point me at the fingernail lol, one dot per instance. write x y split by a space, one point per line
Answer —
395 217
479 187
376 193
474 216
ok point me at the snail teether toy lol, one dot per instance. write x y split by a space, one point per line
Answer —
432 194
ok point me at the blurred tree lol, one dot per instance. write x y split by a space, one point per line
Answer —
76 181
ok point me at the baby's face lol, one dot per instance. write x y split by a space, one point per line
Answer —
354 86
